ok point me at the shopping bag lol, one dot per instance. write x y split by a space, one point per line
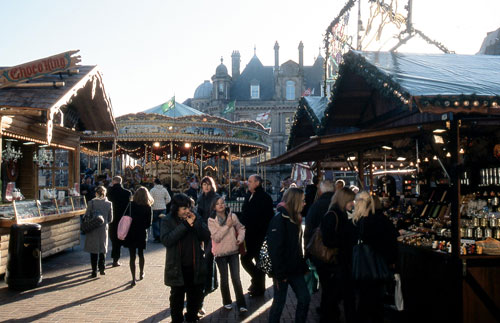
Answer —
367 265
311 278
124 224
398 293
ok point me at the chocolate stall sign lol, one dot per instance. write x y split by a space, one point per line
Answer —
39 68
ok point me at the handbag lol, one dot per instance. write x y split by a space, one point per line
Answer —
124 224
264 259
367 265
398 293
311 278
318 250
242 247
92 221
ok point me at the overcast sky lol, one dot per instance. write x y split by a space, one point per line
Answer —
149 50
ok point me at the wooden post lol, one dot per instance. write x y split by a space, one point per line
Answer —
171 165
113 159
239 147
229 169
361 171
371 177
99 158
201 162
264 171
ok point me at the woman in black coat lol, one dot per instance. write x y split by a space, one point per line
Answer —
141 212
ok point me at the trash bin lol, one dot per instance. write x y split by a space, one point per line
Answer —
24 261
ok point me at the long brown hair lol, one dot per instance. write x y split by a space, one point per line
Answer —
341 198
294 201
143 197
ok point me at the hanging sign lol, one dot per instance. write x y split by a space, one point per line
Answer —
36 69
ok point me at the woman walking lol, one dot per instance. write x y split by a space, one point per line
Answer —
377 231
137 237
183 234
284 238
227 235
337 231
96 241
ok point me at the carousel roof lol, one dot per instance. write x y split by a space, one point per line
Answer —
179 110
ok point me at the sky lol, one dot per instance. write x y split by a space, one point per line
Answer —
151 50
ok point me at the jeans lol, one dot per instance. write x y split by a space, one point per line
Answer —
234 267
299 287
93 261
194 296
258 281
156 223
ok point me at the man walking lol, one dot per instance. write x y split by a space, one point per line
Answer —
120 197
162 198
318 209
257 213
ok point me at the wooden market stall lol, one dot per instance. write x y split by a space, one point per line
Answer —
439 114
45 106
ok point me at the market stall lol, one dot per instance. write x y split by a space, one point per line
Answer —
44 107
438 117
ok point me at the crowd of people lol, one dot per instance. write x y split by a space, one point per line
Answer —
201 234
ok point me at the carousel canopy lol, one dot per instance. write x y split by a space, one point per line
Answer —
178 110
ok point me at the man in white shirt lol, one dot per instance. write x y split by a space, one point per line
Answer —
161 199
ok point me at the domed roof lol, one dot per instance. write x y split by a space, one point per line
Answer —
203 91
221 70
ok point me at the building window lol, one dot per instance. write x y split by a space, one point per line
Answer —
288 125
254 91
290 90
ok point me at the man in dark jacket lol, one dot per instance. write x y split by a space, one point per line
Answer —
120 197
257 212
318 209
183 233
310 195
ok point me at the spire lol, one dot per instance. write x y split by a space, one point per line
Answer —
254 50
276 56
221 59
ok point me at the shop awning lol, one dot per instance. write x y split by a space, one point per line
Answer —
307 119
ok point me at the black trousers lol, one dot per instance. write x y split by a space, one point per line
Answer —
193 294
258 281
93 261
116 244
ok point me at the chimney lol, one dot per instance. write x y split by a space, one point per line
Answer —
301 55
235 64
276 56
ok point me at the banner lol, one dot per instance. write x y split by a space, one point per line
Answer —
231 106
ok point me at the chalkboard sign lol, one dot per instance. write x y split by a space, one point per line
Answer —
27 209
7 212
64 204
48 207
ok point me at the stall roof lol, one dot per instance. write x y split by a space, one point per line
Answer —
307 119
82 99
179 110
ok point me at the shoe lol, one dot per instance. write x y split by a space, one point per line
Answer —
141 276
256 293
228 306
243 309
94 274
102 272
116 264
202 311
132 284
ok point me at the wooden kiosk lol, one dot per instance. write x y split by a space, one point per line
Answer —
440 110
45 106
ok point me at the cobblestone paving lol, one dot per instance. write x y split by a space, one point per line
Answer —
67 294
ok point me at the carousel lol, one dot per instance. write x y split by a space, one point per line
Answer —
176 143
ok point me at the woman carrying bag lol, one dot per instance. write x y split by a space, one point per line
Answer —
227 235
284 239
141 213
96 241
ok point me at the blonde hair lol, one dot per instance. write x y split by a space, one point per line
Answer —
100 191
364 205
341 198
294 201
143 197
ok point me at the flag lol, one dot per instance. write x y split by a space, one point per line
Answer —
169 105
229 107
264 116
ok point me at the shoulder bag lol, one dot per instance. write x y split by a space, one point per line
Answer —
368 265
318 250
92 220
124 224
264 259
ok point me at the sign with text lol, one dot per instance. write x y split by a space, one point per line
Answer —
39 68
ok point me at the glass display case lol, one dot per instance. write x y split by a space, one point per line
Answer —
65 204
7 212
48 207
27 209
79 203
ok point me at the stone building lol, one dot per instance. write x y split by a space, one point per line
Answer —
268 94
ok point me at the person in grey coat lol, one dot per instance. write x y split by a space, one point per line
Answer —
96 241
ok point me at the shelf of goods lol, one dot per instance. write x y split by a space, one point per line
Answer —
59 220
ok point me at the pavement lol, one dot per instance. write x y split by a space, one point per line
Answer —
67 294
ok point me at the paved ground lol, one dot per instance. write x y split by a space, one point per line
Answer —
66 294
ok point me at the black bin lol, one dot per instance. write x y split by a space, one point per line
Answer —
24 261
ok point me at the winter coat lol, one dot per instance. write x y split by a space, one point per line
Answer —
120 197
224 242
142 216
315 214
284 240
310 196
342 238
173 230
96 241
161 197
257 212
204 203
378 231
